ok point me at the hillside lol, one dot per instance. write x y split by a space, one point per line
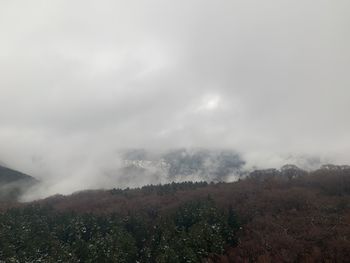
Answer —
271 216
13 183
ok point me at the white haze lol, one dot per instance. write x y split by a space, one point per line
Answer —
81 80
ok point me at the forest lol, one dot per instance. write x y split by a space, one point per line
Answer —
286 215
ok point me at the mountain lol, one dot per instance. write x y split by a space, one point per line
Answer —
184 164
13 183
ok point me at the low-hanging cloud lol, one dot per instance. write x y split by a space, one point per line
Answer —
81 80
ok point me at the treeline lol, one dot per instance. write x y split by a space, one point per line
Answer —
188 234
161 189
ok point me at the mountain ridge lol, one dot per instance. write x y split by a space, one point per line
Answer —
14 183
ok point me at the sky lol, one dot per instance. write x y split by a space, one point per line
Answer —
82 79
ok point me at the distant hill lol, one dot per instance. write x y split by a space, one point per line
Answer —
13 183
184 164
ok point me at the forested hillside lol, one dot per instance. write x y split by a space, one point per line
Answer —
286 215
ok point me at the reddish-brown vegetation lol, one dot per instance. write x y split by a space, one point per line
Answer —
284 219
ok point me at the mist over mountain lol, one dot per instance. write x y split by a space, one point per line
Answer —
131 106
268 79
137 167
13 184
185 164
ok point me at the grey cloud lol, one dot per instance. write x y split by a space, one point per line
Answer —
80 80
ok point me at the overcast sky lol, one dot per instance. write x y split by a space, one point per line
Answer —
81 79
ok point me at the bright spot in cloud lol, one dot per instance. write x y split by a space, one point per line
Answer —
209 103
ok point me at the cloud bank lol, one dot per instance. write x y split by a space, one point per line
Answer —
82 79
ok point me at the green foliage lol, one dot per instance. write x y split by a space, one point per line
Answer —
194 231
40 234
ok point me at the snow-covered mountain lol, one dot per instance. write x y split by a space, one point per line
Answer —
184 164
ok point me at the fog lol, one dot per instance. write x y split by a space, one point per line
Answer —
82 80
